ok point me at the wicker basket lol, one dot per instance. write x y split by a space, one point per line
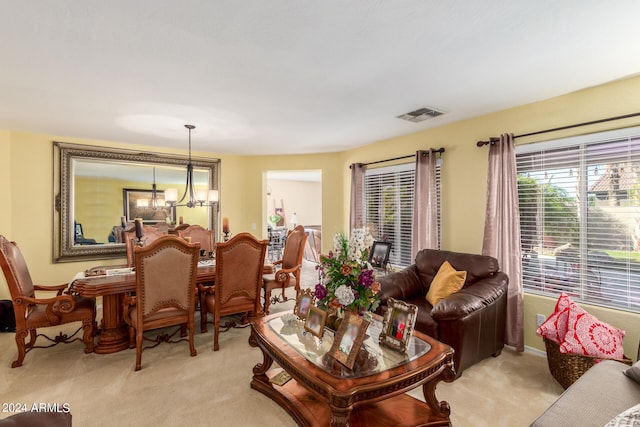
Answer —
567 368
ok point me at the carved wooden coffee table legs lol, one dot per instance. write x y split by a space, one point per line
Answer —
114 335
441 409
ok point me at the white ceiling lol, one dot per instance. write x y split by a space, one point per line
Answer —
295 76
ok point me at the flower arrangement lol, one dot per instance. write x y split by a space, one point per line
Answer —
346 279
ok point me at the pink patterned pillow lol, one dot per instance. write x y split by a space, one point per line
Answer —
589 336
555 327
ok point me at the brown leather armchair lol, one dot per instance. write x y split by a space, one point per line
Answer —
290 267
239 267
165 291
32 313
472 321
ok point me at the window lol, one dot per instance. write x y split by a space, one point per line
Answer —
580 217
389 208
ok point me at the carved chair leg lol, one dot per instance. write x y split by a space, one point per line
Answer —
20 337
33 334
87 327
192 346
138 350
267 301
203 313
216 331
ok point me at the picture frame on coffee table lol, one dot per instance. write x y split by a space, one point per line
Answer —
315 321
398 324
304 301
348 339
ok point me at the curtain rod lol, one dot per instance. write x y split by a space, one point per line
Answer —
433 150
494 139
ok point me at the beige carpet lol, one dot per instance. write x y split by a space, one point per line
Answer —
174 389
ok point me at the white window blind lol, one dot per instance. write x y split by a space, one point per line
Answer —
389 208
580 218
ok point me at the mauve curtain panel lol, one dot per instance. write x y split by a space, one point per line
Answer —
425 204
502 231
356 210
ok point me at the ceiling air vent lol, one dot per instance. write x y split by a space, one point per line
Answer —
420 114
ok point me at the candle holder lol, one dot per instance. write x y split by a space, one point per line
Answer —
227 235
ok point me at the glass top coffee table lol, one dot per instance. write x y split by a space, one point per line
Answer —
323 392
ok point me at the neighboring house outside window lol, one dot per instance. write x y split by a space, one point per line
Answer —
580 217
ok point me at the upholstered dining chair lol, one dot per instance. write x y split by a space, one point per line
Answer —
149 235
239 268
32 313
166 273
290 266
199 234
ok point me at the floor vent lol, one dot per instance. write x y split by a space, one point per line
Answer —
420 115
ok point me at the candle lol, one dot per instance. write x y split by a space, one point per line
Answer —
225 225
139 232
123 221
181 221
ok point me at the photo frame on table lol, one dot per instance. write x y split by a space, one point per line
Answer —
379 255
305 300
397 325
348 339
131 196
315 320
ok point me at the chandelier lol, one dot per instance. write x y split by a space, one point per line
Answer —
191 197
154 203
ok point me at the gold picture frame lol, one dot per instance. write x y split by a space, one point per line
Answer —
304 301
398 324
315 320
348 339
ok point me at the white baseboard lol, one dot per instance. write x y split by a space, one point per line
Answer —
535 351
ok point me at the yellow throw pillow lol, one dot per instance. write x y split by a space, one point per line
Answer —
447 281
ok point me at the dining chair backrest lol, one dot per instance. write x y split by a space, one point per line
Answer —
150 235
239 268
166 271
294 248
15 269
199 234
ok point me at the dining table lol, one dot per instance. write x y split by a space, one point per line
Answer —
114 333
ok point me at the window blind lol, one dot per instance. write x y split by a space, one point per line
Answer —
580 219
389 208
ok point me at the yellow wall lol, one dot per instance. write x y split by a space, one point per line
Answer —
464 172
303 198
26 217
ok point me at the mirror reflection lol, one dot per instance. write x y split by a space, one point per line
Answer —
108 194
100 191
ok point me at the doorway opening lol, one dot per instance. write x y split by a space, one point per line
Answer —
294 197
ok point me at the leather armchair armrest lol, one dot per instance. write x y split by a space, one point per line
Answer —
400 285
471 298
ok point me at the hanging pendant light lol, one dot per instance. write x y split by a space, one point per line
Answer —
154 203
191 197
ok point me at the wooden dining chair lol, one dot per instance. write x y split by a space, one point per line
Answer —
150 235
199 234
239 267
290 267
166 273
32 313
